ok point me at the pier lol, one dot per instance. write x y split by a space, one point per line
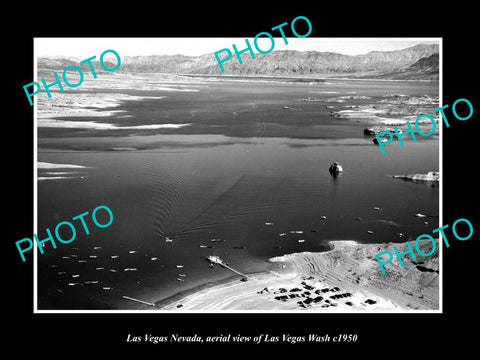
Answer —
217 260
139 301
232 269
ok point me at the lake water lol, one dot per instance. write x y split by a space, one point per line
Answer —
246 178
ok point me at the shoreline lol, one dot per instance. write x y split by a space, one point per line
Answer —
345 278
321 78
175 298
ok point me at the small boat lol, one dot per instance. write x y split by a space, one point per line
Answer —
167 239
213 259
335 168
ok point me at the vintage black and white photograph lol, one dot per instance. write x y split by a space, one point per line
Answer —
270 186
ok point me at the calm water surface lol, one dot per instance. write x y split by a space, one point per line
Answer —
246 171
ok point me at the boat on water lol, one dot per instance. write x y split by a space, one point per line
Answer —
213 259
335 168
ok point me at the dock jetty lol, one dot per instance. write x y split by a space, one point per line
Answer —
139 301
212 259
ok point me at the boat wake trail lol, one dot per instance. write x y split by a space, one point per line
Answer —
214 209
181 205
242 199
166 191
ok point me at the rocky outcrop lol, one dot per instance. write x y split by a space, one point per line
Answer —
431 176
335 168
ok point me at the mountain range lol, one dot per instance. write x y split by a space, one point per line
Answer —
419 62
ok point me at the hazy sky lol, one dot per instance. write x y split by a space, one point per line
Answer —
83 48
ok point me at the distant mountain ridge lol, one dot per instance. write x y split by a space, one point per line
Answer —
417 62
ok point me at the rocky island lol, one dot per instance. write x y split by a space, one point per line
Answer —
431 176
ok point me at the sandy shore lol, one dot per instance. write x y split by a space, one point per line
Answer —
345 278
